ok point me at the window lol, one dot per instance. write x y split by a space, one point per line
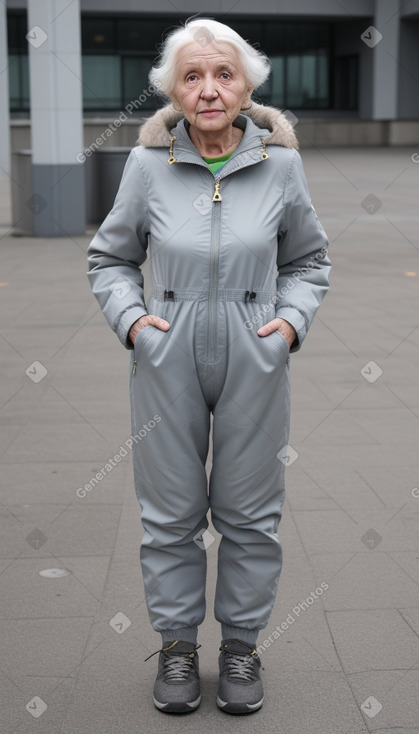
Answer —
118 52
18 63
101 82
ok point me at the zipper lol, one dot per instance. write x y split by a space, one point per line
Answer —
214 258
214 271
217 195
214 252
134 367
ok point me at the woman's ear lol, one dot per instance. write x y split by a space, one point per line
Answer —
247 102
176 104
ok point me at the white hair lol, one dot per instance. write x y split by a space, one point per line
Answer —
255 64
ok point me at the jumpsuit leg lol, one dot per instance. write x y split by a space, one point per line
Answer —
247 490
170 479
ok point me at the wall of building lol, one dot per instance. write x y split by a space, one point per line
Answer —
350 20
292 8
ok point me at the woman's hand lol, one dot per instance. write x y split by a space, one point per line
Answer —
147 320
287 331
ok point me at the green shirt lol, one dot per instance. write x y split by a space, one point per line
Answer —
216 163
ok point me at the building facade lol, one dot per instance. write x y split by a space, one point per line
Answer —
328 59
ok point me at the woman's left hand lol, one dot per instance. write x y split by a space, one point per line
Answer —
287 331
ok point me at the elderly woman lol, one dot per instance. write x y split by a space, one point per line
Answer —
215 195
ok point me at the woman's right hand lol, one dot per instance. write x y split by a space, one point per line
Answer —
147 320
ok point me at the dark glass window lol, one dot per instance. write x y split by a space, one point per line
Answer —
98 35
118 53
101 81
18 62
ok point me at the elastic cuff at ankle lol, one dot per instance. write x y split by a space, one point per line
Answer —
239 633
188 634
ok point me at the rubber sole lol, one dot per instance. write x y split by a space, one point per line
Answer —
239 709
176 707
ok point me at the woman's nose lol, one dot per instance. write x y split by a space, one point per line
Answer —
209 88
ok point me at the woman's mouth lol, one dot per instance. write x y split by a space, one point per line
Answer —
210 113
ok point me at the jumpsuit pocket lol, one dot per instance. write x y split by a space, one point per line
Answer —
282 339
141 339
277 342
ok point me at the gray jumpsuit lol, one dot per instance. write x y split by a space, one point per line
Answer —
229 252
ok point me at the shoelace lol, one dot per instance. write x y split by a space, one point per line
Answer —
176 666
241 666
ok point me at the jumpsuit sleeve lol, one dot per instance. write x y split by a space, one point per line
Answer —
302 260
117 251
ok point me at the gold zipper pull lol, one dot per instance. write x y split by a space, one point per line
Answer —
134 367
171 158
264 153
217 195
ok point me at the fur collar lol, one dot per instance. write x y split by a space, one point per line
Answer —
155 132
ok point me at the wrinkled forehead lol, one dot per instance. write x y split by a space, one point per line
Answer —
213 53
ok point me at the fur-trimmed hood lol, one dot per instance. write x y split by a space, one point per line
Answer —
155 132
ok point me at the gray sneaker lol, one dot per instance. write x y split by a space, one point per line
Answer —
240 689
177 687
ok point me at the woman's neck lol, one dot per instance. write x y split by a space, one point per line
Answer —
215 144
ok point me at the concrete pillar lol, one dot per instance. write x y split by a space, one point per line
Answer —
58 197
385 60
4 94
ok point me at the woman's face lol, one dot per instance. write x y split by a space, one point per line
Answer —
211 87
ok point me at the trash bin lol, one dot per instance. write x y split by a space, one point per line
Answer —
38 208
103 171
103 175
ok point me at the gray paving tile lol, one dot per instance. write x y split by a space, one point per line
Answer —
310 489
48 697
57 482
349 530
329 427
298 638
395 692
304 492
123 592
13 702
77 594
87 530
308 701
380 425
42 648
411 616
44 530
408 562
377 639
365 582
329 531
367 487
8 434
70 442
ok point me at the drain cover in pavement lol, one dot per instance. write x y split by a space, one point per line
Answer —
54 573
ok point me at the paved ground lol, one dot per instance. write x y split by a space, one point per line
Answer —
349 660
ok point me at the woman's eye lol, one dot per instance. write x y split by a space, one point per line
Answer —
225 75
191 77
